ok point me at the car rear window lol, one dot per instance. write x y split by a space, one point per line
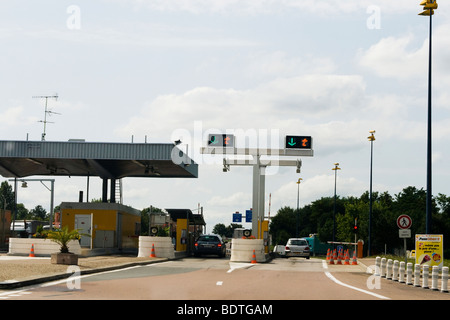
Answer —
299 242
208 239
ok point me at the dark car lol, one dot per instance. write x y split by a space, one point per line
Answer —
210 244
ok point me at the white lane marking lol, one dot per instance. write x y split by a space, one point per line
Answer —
72 278
9 293
328 274
239 265
6 295
219 283
23 258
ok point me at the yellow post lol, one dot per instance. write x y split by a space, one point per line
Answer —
182 235
263 233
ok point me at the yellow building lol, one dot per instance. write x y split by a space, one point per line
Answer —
109 225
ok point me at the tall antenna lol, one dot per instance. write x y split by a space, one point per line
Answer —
49 112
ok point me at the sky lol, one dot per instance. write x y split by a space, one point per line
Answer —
163 70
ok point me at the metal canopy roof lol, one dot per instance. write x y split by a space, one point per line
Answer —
20 159
194 219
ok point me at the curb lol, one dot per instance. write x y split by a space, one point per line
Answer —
34 281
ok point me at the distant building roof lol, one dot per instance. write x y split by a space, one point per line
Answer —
100 206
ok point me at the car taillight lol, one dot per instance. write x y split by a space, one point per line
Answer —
219 245
307 249
287 248
196 244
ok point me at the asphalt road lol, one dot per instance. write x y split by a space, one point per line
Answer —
219 279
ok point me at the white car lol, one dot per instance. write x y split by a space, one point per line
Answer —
297 247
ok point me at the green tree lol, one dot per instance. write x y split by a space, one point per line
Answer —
441 220
220 229
322 212
317 217
22 212
225 231
283 225
6 196
38 213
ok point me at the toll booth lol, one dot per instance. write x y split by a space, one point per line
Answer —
110 225
186 227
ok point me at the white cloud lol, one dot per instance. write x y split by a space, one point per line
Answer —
282 103
251 7
280 64
393 57
400 57
14 116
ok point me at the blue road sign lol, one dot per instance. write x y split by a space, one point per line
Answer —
237 217
248 215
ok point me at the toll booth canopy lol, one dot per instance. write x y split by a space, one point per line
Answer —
185 221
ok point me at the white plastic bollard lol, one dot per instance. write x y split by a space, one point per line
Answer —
383 267
401 272
417 275
434 278
389 269
425 273
444 284
409 273
377 266
395 271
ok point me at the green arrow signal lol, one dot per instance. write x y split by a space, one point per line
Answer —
213 140
292 143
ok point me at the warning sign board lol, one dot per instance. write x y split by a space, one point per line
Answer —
430 249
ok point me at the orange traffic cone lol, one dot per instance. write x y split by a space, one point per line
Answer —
328 254
339 260
254 257
354 262
152 253
347 258
331 261
32 251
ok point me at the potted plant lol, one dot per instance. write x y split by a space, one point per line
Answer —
62 237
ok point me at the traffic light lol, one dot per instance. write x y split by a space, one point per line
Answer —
355 226
221 140
298 142
429 6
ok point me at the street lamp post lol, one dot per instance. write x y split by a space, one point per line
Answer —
51 189
298 202
429 6
336 168
371 139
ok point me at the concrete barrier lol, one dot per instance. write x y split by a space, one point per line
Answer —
163 247
42 247
242 250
